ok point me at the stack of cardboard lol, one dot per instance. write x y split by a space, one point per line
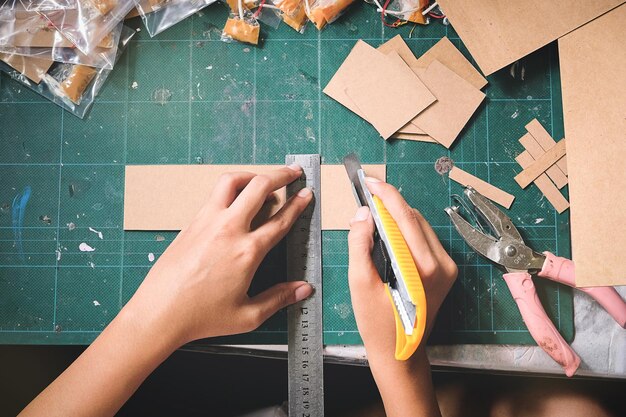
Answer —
429 99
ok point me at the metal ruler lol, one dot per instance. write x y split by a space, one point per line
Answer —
305 331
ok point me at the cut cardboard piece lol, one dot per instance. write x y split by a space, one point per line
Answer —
535 150
168 197
369 82
545 185
499 32
411 129
541 164
415 138
443 51
32 67
544 140
492 192
592 62
457 101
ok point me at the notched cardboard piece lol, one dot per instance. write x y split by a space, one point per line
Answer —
492 192
168 197
541 164
547 187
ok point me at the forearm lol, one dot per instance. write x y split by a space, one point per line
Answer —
110 370
406 386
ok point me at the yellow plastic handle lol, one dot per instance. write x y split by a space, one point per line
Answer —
405 344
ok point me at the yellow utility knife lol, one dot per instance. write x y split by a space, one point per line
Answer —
394 262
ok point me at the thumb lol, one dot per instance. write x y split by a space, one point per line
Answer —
361 268
279 296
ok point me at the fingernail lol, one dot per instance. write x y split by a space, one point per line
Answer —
372 179
303 291
295 167
361 214
305 192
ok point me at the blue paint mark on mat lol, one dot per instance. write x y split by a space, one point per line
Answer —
18 209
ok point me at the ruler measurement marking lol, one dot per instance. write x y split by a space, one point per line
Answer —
305 332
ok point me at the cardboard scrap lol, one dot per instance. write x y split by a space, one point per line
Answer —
167 197
32 67
547 187
416 138
411 129
592 62
372 86
499 32
457 100
443 51
541 164
492 192
446 53
544 140
535 150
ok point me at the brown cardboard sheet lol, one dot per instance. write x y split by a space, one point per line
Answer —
544 140
499 32
535 150
443 51
411 129
167 197
541 164
592 62
374 87
457 100
490 191
545 185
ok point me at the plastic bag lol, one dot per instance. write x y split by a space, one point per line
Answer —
158 15
32 68
321 12
90 22
47 5
73 87
293 13
406 10
242 27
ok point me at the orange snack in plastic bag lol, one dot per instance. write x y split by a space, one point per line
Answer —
76 83
242 30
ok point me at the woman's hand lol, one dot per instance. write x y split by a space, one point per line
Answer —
405 386
198 288
202 279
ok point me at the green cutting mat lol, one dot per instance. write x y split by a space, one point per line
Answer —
232 103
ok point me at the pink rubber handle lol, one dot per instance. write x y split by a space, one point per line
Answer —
539 325
562 270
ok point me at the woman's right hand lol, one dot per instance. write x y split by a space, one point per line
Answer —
374 312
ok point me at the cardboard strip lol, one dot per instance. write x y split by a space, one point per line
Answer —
541 164
411 129
535 150
167 197
544 140
547 187
490 191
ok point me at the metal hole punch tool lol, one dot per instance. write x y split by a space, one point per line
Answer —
395 265
506 248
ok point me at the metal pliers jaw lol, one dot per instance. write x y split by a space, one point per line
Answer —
506 248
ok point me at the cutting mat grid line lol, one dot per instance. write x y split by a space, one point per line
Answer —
231 103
